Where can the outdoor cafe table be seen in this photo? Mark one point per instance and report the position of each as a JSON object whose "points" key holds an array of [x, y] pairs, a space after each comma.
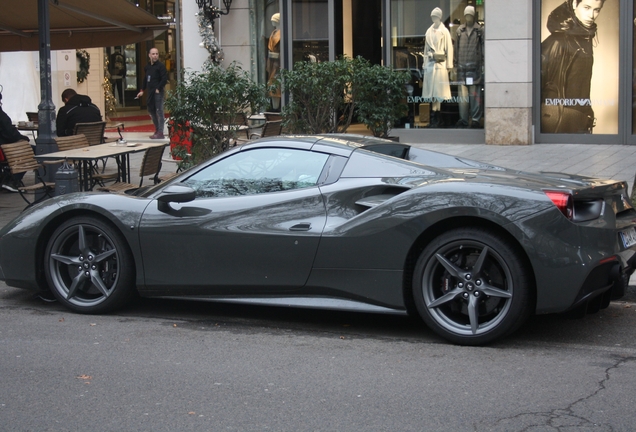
{"points": [[88, 156]]}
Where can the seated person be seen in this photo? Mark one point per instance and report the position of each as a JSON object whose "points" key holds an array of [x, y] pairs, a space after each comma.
{"points": [[9, 134], [77, 109]]}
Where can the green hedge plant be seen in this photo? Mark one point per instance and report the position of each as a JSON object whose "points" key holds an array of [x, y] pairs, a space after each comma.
{"points": [[325, 97], [320, 96], [380, 96], [203, 102]]}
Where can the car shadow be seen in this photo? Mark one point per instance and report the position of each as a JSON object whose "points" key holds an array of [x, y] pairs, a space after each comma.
{"points": [[611, 326]]}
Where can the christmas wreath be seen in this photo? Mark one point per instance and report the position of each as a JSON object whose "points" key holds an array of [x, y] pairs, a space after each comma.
{"points": [[84, 64]]}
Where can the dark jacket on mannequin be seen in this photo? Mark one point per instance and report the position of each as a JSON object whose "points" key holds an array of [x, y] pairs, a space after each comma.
{"points": [[469, 53], [78, 109]]}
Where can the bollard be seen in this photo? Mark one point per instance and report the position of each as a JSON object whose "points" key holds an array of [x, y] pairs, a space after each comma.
{"points": [[66, 179]]}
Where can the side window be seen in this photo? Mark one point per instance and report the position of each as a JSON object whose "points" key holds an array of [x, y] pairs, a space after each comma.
{"points": [[259, 171]]}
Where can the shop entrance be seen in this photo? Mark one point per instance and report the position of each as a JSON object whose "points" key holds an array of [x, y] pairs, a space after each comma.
{"points": [[361, 29]]}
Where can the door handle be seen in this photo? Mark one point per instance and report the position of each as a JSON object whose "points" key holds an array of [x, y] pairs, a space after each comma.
{"points": [[305, 226]]}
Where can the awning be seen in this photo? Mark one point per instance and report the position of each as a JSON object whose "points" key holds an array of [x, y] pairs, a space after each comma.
{"points": [[76, 24]]}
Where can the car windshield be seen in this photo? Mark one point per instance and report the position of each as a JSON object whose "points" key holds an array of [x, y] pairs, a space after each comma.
{"points": [[259, 171]]}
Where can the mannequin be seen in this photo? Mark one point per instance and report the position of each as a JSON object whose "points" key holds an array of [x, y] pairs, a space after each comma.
{"points": [[469, 61], [438, 60], [117, 68], [273, 60]]}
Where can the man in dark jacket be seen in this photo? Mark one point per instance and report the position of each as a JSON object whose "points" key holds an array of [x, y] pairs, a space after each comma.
{"points": [[567, 59], [77, 109], [8, 134], [155, 79]]}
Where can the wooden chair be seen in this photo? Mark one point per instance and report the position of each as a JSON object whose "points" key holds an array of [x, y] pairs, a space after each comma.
{"points": [[272, 116], [270, 128], [21, 159], [94, 131], [71, 142], [150, 166], [33, 117]]}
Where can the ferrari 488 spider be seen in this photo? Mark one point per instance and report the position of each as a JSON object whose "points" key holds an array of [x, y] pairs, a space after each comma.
{"points": [[470, 248]]}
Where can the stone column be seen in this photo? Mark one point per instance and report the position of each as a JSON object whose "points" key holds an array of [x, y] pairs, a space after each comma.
{"points": [[508, 98]]}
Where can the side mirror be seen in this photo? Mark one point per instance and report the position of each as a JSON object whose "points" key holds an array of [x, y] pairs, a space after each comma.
{"points": [[177, 193]]}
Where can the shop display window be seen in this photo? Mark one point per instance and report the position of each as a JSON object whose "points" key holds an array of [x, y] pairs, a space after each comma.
{"points": [[579, 88], [267, 55], [441, 44], [310, 30]]}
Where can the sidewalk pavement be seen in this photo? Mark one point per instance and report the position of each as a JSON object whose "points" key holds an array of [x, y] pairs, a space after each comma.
{"points": [[605, 161]]}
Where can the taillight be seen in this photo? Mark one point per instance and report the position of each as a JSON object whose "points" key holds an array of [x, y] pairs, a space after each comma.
{"points": [[563, 201]]}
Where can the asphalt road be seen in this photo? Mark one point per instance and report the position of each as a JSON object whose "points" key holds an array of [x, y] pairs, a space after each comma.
{"points": [[169, 365]]}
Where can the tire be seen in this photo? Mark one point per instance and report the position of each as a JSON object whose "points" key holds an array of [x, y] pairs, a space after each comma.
{"points": [[89, 267], [471, 287]]}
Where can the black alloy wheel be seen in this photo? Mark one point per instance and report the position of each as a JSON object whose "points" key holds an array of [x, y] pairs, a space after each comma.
{"points": [[471, 287], [88, 266]]}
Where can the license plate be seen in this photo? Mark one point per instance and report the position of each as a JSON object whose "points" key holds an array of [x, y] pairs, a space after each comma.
{"points": [[629, 237]]}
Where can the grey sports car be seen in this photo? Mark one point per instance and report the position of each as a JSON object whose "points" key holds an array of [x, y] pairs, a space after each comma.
{"points": [[470, 248]]}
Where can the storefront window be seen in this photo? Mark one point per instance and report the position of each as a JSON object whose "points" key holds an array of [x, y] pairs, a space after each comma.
{"points": [[310, 30], [579, 66], [441, 43], [268, 46]]}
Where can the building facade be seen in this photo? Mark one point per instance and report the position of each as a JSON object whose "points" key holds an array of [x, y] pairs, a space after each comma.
{"points": [[505, 99]]}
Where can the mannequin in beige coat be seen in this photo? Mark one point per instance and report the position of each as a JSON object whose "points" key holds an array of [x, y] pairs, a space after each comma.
{"points": [[438, 62]]}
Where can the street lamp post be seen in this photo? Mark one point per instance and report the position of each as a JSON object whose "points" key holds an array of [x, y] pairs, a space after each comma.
{"points": [[211, 11], [45, 142]]}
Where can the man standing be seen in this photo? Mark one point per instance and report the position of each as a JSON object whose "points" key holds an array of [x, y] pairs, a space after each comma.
{"points": [[469, 62], [77, 109], [567, 59], [155, 79]]}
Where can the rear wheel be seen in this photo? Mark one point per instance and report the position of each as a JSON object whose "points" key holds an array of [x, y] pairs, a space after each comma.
{"points": [[88, 266], [471, 287]]}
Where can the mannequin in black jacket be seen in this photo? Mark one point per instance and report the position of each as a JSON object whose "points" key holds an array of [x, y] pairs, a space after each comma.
{"points": [[77, 109]]}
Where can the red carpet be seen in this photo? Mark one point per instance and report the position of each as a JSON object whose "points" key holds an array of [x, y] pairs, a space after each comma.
{"points": [[139, 128], [134, 118]]}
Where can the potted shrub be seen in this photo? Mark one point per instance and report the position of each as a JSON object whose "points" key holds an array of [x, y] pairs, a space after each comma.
{"points": [[320, 96], [380, 96], [203, 104]]}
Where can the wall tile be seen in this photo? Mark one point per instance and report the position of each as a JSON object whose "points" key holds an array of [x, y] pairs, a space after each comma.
{"points": [[508, 61], [509, 19], [508, 126], [508, 95]]}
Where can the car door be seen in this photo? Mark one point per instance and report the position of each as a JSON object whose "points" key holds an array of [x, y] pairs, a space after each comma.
{"points": [[254, 226]]}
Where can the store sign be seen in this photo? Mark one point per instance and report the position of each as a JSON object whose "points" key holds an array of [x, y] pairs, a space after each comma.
{"points": [[66, 60], [579, 67]]}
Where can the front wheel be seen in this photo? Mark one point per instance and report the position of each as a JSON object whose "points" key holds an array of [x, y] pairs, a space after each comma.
{"points": [[88, 266], [470, 286]]}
